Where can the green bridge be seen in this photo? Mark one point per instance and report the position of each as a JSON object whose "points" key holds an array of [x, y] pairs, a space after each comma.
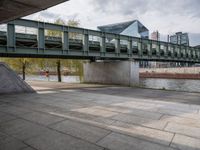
{"points": [[79, 43]]}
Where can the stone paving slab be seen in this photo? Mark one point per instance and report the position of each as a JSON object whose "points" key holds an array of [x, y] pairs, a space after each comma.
{"points": [[85, 118], [179, 113], [56, 141], [22, 129], [109, 118], [96, 112], [84, 131], [6, 117], [181, 120], [136, 112], [9, 143], [13, 110], [28, 148], [12, 145], [42, 118], [153, 135], [157, 124], [116, 141], [183, 129], [185, 143]]}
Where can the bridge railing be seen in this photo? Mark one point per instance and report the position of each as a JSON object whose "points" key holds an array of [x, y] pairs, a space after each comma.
{"points": [[105, 45]]}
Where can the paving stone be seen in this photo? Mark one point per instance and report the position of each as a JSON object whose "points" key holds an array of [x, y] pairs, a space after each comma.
{"points": [[179, 107], [81, 130], [135, 105], [179, 113], [181, 120], [129, 111], [114, 109], [1, 103], [28, 148], [56, 141], [38, 106], [96, 112], [14, 110], [183, 129], [9, 143], [6, 117], [94, 121], [146, 114], [4, 138], [42, 118], [153, 135], [22, 129], [116, 141], [157, 124], [185, 143], [136, 112], [12, 145]]}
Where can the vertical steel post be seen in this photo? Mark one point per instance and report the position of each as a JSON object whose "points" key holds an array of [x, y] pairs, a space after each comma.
{"points": [[187, 52], [196, 54], [117, 45], [103, 44], [130, 47], [86, 42], [65, 40], [179, 51], [140, 47], [158, 49], [11, 38], [165, 50], [173, 51], [167, 46], [41, 37], [150, 48]]}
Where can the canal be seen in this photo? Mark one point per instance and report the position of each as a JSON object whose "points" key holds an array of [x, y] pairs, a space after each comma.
{"points": [[168, 84]]}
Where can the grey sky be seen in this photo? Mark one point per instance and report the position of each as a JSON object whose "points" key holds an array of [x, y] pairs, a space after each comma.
{"points": [[167, 16]]}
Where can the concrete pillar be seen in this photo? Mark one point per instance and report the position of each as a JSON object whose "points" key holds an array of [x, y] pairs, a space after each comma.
{"points": [[112, 72]]}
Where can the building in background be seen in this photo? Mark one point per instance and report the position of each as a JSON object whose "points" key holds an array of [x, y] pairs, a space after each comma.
{"points": [[155, 36], [132, 28], [198, 46], [180, 38]]}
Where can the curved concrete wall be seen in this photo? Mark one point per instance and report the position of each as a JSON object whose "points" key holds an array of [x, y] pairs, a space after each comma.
{"points": [[10, 82]]}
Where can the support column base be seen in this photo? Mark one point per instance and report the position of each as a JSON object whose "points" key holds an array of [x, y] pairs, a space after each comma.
{"points": [[112, 72]]}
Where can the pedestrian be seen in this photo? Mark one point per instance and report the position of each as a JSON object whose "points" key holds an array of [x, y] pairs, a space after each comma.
{"points": [[47, 74]]}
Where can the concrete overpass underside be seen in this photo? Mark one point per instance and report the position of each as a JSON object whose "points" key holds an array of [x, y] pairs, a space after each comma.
{"points": [[12, 9]]}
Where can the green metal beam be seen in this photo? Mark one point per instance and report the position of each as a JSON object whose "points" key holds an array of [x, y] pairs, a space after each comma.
{"points": [[106, 46]]}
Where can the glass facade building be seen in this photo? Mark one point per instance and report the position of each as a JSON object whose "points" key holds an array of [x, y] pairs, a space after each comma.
{"points": [[131, 28], [180, 38]]}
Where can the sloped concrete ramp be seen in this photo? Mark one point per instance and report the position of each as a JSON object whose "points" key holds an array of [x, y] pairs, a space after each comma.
{"points": [[10, 82]]}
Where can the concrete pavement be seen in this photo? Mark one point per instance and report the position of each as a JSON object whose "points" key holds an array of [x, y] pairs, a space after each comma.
{"points": [[103, 118]]}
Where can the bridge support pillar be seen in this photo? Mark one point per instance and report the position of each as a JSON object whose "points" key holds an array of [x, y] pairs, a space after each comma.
{"points": [[112, 72]]}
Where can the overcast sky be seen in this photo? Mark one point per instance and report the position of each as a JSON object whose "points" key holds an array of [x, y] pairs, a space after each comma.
{"points": [[166, 16]]}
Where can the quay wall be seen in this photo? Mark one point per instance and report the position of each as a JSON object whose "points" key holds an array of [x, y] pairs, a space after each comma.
{"points": [[171, 73]]}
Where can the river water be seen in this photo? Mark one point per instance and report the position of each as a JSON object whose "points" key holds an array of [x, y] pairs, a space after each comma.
{"points": [[169, 84]]}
